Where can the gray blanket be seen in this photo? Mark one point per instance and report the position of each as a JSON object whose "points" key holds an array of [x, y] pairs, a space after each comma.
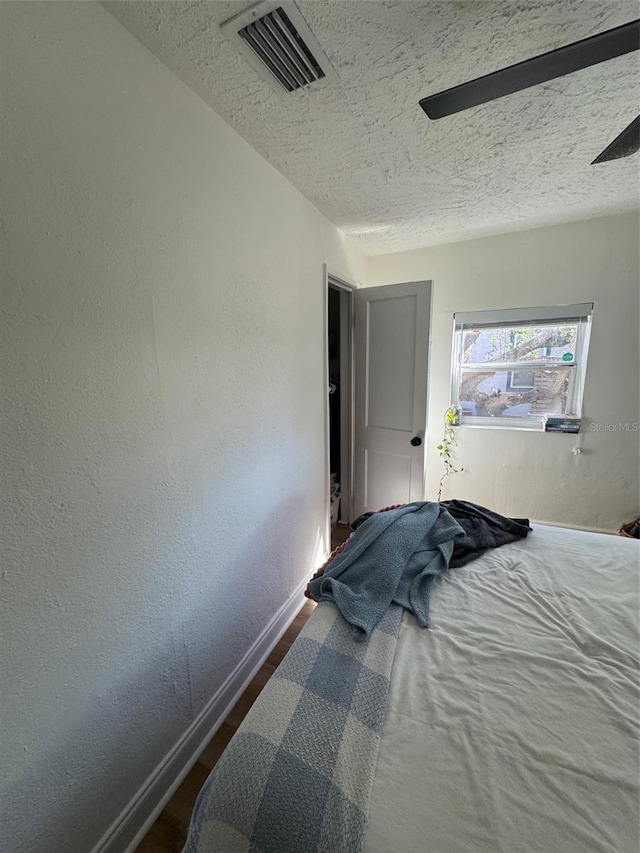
{"points": [[393, 557], [483, 529], [297, 775]]}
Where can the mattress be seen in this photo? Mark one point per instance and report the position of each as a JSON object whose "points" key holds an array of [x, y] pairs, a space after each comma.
{"points": [[512, 723]]}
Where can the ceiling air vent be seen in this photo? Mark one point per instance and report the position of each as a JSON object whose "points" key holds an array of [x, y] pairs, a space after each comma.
{"points": [[275, 39]]}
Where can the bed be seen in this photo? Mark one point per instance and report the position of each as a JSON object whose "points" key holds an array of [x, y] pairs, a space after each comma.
{"points": [[511, 724]]}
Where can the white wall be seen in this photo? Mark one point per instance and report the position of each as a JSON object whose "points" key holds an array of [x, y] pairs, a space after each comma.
{"points": [[534, 474], [163, 422]]}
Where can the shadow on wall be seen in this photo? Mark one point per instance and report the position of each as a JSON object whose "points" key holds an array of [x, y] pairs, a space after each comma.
{"points": [[113, 743]]}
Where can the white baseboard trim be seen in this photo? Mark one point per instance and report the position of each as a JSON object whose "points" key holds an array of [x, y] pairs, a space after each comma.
{"points": [[573, 526], [133, 823]]}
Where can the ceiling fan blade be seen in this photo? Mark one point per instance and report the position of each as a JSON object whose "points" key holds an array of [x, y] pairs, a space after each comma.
{"points": [[627, 143], [531, 72]]}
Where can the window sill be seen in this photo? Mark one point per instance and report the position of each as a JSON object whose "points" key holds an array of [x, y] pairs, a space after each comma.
{"points": [[517, 424]]}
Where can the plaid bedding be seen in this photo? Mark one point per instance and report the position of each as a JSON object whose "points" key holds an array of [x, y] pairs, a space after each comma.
{"points": [[297, 775]]}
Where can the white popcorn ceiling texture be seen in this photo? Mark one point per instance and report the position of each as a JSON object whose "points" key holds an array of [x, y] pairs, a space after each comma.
{"points": [[366, 155]]}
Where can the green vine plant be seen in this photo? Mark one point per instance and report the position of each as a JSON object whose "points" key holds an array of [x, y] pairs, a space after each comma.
{"points": [[445, 448]]}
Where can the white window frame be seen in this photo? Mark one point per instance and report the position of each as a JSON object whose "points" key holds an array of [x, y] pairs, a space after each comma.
{"points": [[580, 313]]}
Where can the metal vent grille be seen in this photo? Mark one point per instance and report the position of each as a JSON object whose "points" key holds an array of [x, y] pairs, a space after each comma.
{"points": [[279, 45], [276, 39]]}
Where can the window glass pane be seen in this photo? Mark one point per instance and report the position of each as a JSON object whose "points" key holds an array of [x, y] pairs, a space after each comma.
{"points": [[501, 345], [514, 393], [521, 379]]}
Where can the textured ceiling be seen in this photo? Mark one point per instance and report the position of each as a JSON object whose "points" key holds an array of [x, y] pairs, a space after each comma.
{"points": [[362, 150]]}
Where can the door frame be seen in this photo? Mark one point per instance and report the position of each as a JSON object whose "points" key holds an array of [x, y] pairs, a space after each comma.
{"points": [[347, 412]]}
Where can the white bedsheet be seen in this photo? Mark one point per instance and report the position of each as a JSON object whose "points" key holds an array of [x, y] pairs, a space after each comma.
{"points": [[513, 722]]}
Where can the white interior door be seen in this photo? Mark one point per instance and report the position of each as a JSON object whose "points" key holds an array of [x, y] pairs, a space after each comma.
{"points": [[391, 362]]}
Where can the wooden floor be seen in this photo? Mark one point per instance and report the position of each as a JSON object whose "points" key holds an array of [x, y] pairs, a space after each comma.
{"points": [[169, 833]]}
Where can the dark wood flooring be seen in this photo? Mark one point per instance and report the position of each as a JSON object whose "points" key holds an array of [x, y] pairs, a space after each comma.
{"points": [[169, 833]]}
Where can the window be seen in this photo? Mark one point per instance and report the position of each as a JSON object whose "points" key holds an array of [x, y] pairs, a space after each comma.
{"points": [[518, 367], [521, 380]]}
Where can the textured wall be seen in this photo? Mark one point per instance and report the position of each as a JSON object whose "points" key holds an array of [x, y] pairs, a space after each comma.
{"points": [[163, 422], [536, 474]]}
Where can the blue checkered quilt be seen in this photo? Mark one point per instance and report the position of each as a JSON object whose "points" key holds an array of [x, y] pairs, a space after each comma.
{"points": [[297, 775]]}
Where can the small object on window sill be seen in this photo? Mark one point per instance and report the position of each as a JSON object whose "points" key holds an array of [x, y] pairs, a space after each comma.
{"points": [[454, 415], [569, 425]]}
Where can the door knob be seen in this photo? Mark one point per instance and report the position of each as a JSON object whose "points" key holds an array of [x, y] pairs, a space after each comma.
{"points": [[416, 441]]}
